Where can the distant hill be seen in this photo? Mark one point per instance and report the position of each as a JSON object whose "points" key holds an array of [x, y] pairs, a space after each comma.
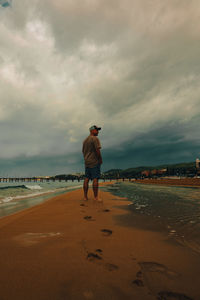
{"points": [[172, 169], [188, 169]]}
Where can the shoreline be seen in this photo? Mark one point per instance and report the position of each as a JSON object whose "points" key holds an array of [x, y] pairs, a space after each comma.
{"points": [[45, 195], [65, 248], [194, 183]]}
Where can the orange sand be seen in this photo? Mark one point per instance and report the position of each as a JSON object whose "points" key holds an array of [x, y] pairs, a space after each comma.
{"points": [[51, 251]]}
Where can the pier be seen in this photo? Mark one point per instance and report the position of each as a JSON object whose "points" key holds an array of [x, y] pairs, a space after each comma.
{"points": [[38, 179], [33, 179]]}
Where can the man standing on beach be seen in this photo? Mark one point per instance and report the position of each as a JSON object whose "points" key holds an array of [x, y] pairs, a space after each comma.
{"points": [[93, 160]]}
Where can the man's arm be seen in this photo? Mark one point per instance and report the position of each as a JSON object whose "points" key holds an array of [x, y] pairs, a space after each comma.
{"points": [[99, 155], [97, 146]]}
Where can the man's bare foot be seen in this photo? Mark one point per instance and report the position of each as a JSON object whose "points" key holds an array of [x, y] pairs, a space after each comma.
{"points": [[85, 199]]}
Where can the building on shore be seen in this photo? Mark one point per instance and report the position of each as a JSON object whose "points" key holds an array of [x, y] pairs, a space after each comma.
{"points": [[154, 172], [197, 163]]}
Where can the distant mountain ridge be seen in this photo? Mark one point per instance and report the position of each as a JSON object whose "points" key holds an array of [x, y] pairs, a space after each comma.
{"points": [[173, 168], [188, 169]]}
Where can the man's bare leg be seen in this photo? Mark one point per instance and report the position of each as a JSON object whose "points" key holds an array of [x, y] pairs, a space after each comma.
{"points": [[95, 189], [85, 188]]}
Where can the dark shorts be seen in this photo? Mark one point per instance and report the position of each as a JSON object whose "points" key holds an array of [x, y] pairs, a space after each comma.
{"points": [[93, 173]]}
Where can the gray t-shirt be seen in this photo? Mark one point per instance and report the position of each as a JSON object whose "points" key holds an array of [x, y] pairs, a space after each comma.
{"points": [[90, 144]]}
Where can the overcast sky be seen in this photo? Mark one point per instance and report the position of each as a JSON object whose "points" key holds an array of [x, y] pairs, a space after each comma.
{"points": [[131, 67]]}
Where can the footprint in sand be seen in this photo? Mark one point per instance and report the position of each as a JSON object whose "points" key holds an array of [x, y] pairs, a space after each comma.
{"points": [[111, 267], [93, 256], [106, 210], [138, 282], [89, 218], [154, 267], [139, 274], [106, 232], [97, 258], [99, 250], [159, 279], [167, 295]]}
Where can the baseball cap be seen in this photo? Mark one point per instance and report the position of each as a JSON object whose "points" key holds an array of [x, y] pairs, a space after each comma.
{"points": [[94, 127]]}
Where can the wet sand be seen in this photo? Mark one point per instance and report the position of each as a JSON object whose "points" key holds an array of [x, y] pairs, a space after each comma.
{"points": [[189, 182], [69, 249]]}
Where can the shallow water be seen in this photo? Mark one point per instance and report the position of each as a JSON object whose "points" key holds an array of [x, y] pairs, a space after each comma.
{"points": [[15, 197], [176, 210]]}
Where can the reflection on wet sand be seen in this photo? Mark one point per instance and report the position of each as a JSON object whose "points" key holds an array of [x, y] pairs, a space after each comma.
{"points": [[175, 210]]}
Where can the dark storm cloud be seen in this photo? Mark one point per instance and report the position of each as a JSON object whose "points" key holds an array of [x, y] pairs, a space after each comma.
{"points": [[128, 66], [157, 147], [40, 165]]}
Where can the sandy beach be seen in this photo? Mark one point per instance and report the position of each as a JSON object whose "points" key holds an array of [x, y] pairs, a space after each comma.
{"points": [[69, 249]]}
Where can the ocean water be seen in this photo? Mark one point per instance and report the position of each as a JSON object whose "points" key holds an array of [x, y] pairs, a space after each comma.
{"points": [[174, 210], [18, 196]]}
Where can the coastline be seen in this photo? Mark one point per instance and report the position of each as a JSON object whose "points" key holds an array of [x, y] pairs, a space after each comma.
{"points": [[65, 248], [18, 203], [186, 182]]}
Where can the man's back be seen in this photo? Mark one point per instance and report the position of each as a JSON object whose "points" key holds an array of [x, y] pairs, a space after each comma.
{"points": [[90, 146]]}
